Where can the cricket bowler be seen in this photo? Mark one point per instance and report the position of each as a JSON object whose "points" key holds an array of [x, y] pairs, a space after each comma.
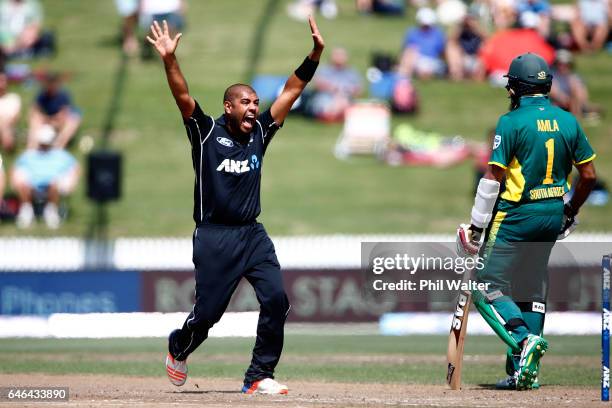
{"points": [[228, 242], [534, 148]]}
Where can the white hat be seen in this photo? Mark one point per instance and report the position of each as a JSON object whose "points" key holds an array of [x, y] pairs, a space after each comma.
{"points": [[451, 12], [426, 16], [45, 135], [529, 19]]}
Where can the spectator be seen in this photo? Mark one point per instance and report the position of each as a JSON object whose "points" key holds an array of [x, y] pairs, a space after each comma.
{"points": [[53, 106], [591, 25], [10, 108], [462, 50], [423, 47], [46, 172], [21, 32], [128, 10], [539, 7], [568, 90], [300, 9], [503, 13], [2, 182], [336, 85], [382, 7], [172, 11]]}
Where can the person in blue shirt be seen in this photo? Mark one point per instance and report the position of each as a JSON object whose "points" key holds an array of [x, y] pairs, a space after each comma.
{"points": [[53, 106], [541, 8], [423, 47], [45, 170]]}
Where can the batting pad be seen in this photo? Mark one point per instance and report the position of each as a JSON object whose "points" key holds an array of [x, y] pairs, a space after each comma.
{"points": [[494, 320]]}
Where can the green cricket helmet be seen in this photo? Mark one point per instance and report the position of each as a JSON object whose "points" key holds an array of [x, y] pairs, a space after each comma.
{"points": [[529, 74]]}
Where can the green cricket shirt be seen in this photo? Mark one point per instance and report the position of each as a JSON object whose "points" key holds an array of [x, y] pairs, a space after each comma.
{"points": [[537, 144]]}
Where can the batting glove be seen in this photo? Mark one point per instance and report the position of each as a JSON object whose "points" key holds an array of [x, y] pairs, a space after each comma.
{"points": [[468, 240], [570, 222]]}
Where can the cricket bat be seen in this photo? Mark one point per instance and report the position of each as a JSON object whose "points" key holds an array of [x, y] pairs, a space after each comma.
{"points": [[456, 338]]}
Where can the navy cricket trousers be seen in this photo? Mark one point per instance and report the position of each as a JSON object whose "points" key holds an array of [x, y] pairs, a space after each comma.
{"points": [[222, 256]]}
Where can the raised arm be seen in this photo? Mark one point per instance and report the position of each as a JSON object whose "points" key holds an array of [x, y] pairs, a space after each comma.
{"points": [[165, 46], [298, 80]]}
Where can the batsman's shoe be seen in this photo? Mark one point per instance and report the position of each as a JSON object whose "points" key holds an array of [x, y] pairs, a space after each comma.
{"points": [[509, 383], [534, 349], [176, 370], [265, 386]]}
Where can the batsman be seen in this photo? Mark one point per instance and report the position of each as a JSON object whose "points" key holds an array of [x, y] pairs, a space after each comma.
{"points": [[534, 148]]}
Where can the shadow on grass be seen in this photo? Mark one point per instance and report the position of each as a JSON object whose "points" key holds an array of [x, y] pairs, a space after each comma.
{"points": [[487, 387]]}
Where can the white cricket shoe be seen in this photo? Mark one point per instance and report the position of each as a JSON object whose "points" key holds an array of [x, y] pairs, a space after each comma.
{"points": [[176, 370], [51, 216], [25, 217], [265, 386]]}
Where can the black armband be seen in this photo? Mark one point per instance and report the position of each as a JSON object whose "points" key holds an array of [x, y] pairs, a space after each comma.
{"points": [[306, 71]]}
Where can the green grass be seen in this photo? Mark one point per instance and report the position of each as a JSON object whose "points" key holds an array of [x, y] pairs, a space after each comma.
{"points": [[304, 357], [305, 189]]}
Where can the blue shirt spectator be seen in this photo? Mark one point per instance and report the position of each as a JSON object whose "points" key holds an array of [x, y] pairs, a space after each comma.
{"points": [[535, 6], [423, 47], [47, 172], [53, 106], [428, 40], [42, 167], [52, 103]]}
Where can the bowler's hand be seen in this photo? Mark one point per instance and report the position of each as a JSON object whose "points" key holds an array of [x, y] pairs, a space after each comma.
{"points": [[317, 39], [161, 40]]}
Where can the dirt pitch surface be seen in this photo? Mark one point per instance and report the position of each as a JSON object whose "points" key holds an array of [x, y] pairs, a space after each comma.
{"points": [[113, 391]]}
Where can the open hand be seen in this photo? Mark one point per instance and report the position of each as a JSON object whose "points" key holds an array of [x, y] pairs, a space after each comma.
{"points": [[161, 40], [317, 38]]}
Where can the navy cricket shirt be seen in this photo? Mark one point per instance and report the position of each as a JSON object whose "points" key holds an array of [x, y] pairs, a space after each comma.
{"points": [[227, 171]]}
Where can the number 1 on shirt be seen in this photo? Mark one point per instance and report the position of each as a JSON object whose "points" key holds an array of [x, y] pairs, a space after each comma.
{"points": [[550, 153]]}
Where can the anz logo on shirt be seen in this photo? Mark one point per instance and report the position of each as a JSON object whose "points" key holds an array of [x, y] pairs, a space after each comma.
{"points": [[239, 166]]}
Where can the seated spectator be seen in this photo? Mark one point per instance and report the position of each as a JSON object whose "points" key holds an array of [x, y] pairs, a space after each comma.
{"points": [[541, 8], [21, 32], [381, 7], [335, 87], [462, 50], [172, 11], [45, 171], [300, 9], [591, 25], [128, 10], [2, 182], [53, 106], [568, 90], [503, 14], [10, 107], [423, 47]]}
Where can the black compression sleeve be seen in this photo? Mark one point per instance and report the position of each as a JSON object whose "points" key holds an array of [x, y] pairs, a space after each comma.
{"points": [[306, 71]]}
